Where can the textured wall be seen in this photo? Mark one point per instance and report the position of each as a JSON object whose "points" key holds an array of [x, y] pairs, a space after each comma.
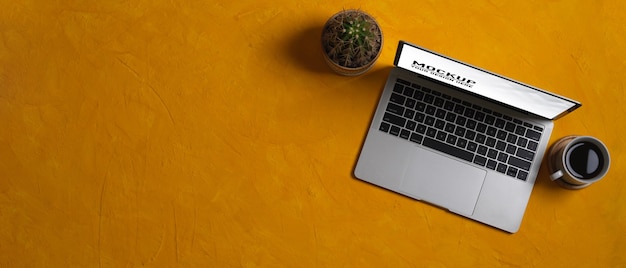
{"points": [[210, 133]]}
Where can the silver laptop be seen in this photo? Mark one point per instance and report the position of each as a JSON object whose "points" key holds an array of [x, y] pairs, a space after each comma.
{"points": [[459, 137]]}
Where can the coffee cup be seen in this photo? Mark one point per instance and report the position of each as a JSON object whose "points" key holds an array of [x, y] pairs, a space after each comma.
{"points": [[576, 162]]}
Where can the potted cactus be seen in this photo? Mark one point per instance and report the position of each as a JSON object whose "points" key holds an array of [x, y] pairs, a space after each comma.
{"points": [[351, 41]]}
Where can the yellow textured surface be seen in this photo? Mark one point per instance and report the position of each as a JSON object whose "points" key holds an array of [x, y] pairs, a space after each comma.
{"points": [[211, 133]]}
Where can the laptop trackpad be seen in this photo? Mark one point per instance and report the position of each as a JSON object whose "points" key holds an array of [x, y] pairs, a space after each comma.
{"points": [[443, 181]]}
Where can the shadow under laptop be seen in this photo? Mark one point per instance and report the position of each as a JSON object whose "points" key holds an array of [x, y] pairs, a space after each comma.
{"points": [[374, 79]]}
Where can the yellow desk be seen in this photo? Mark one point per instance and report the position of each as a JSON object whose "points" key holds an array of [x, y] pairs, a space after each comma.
{"points": [[212, 134]]}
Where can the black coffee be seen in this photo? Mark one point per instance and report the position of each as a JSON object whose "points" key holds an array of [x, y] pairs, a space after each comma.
{"points": [[584, 160]]}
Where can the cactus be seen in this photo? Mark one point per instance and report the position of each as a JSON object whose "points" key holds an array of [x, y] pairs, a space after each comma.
{"points": [[352, 38]]}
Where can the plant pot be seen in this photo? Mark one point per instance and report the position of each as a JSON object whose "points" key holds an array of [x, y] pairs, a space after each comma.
{"points": [[335, 43]]}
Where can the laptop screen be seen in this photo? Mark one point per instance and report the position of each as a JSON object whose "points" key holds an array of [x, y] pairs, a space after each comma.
{"points": [[482, 82]]}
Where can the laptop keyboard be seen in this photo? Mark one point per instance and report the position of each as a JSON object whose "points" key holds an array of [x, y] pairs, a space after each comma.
{"points": [[461, 129]]}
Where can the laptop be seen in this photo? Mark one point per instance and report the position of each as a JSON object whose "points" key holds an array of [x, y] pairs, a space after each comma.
{"points": [[459, 137]]}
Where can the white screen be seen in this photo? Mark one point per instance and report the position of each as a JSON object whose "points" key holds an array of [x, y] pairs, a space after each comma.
{"points": [[481, 82]]}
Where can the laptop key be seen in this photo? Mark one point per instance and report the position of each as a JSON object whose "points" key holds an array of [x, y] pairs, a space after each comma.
{"points": [[491, 142], [460, 120], [449, 128], [482, 150], [408, 92], [398, 88], [511, 138], [501, 135], [399, 99], [525, 154], [503, 157], [459, 131], [405, 134], [411, 125], [489, 119], [534, 135], [511, 171], [420, 106], [440, 113], [510, 127], [482, 128], [471, 124], [394, 119], [450, 117], [480, 160], [461, 142], [499, 123], [395, 130], [431, 132], [520, 163], [441, 135], [451, 139], [440, 124], [522, 175], [408, 113], [491, 164], [448, 149], [521, 141], [500, 145], [417, 138], [384, 127], [511, 149], [438, 102], [459, 108], [394, 108], [429, 98], [429, 121], [532, 145], [410, 103], [431, 109], [419, 117], [421, 129], [449, 105], [501, 168], [480, 138], [471, 146], [419, 95], [470, 135], [479, 116], [469, 112], [520, 130]]}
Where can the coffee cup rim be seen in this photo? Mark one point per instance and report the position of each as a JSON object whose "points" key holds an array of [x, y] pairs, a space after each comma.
{"points": [[605, 154]]}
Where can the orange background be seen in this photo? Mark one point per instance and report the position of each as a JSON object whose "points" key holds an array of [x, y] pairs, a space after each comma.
{"points": [[211, 133]]}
